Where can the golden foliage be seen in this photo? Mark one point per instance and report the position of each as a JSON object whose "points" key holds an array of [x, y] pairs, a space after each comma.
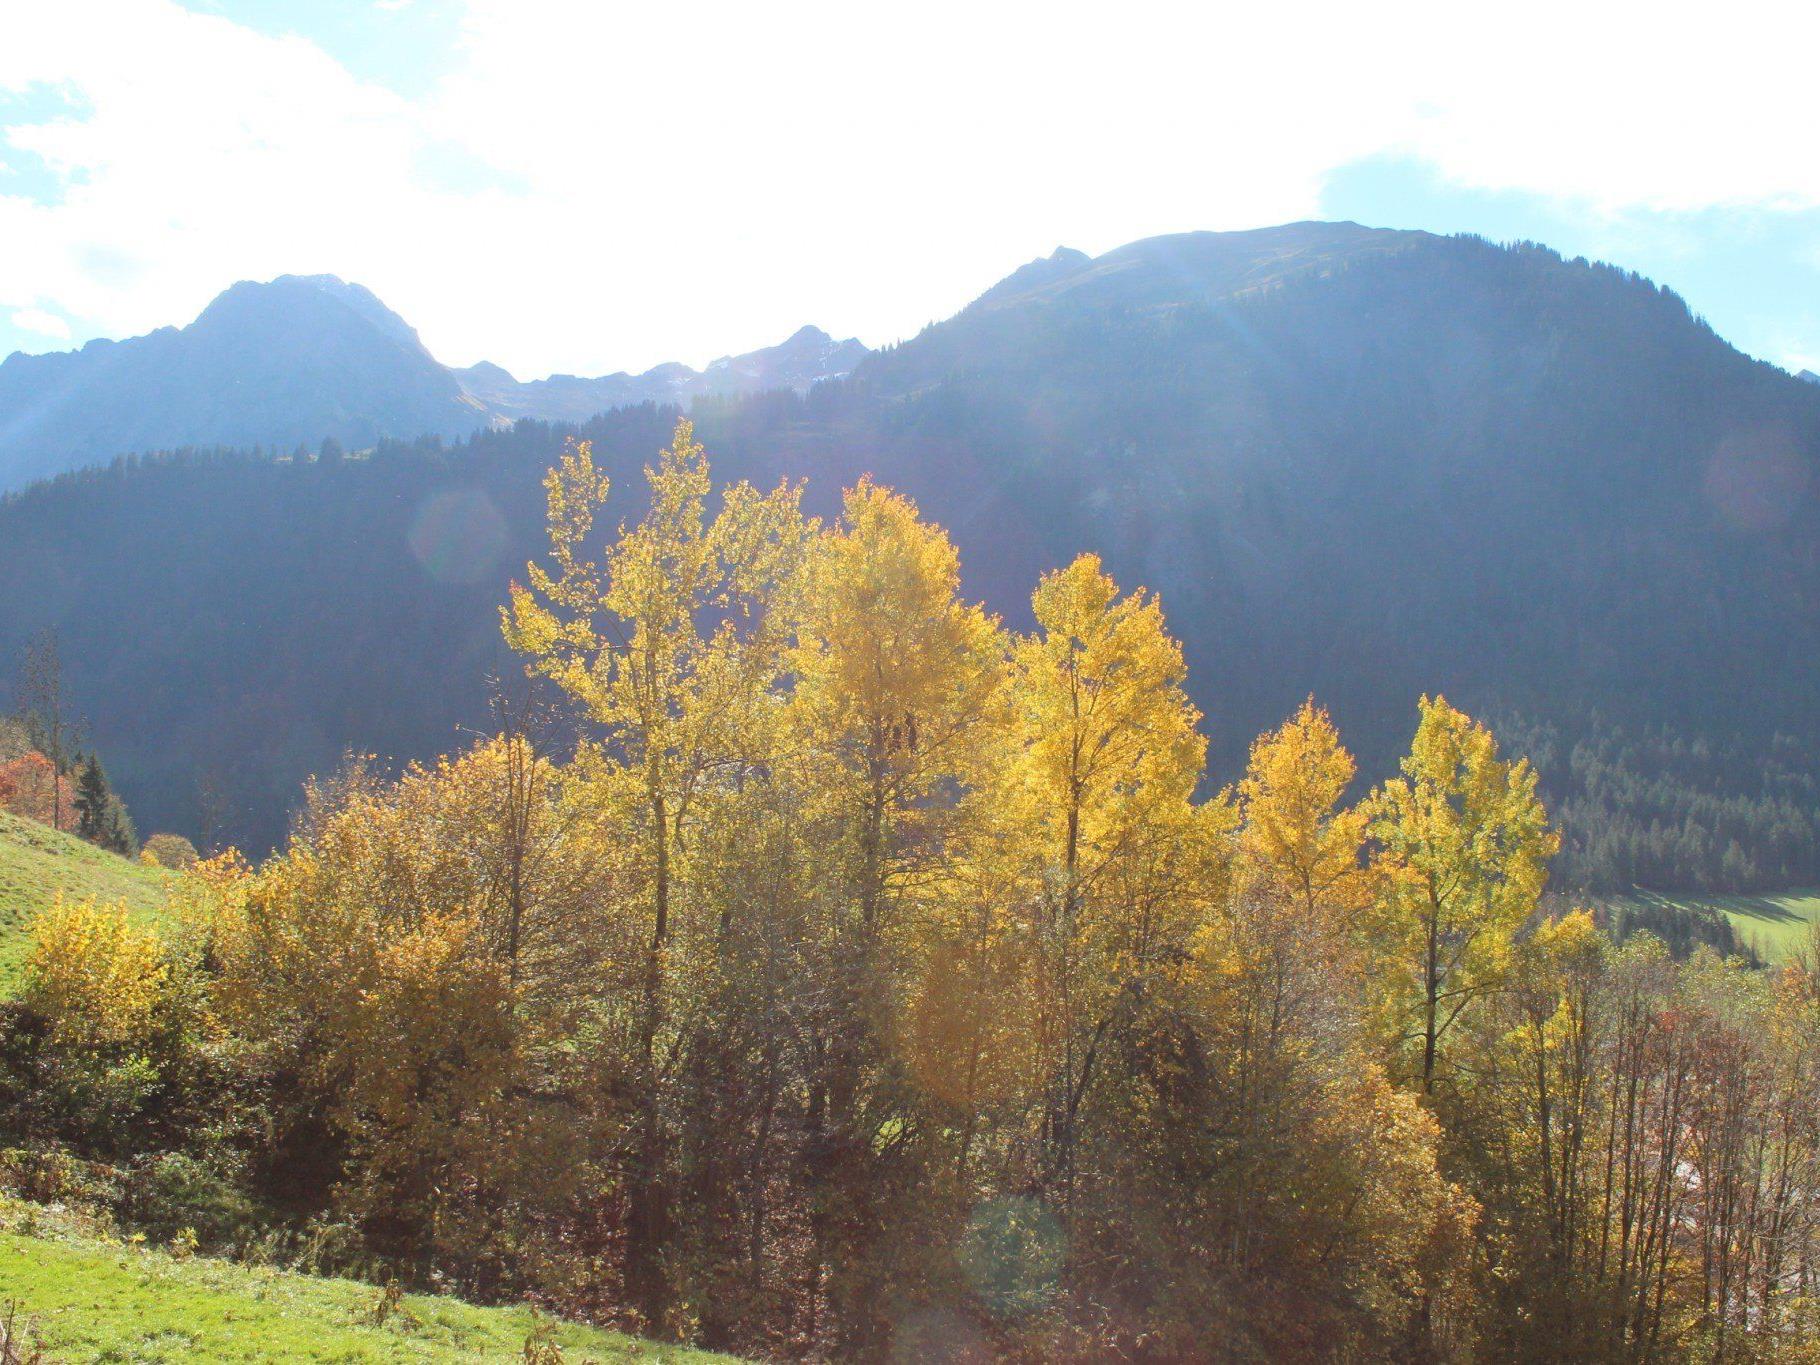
{"points": [[94, 974], [169, 850], [1106, 733], [1461, 845], [897, 681], [1297, 840]]}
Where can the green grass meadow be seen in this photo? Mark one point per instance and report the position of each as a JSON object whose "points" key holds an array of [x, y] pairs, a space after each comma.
{"points": [[1775, 925], [89, 1300]]}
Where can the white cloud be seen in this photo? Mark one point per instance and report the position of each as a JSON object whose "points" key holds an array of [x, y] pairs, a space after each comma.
{"points": [[41, 322], [726, 172], [1626, 105], [204, 153], [677, 180]]}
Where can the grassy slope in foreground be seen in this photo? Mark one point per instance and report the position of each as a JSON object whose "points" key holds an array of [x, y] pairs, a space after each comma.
{"points": [[1775, 925], [36, 862], [93, 1301]]}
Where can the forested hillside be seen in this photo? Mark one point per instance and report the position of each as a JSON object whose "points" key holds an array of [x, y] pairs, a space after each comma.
{"points": [[1356, 464]]}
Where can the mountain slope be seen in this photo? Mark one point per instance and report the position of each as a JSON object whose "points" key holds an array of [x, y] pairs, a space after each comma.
{"points": [[1428, 456], [1192, 267], [1355, 463], [289, 362]]}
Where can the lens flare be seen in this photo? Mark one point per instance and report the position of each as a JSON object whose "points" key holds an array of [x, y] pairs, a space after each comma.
{"points": [[1012, 1255], [458, 536], [938, 1337], [1756, 479]]}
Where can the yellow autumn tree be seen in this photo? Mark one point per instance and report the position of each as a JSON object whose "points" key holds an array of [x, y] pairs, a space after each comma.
{"points": [[895, 716], [1281, 948], [1107, 761], [668, 641], [898, 686], [967, 1022], [1461, 845], [1107, 731], [1556, 975], [1296, 839], [1308, 1144]]}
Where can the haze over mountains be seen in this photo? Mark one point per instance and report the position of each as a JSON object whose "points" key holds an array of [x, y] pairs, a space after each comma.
{"points": [[309, 357], [1359, 463]]}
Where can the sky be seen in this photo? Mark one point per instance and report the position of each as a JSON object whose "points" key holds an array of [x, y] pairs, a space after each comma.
{"points": [[588, 187]]}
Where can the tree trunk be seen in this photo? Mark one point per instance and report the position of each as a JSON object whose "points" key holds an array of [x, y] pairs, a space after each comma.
{"points": [[646, 1231]]}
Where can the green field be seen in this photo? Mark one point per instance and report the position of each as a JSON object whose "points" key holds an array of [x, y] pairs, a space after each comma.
{"points": [[1776, 925], [36, 862], [88, 1299]]}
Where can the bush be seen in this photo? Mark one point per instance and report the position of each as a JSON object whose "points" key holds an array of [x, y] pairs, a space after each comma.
{"points": [[169, 850], [47, 1174], [174, 1191], [87, 1047], [95, 976]]}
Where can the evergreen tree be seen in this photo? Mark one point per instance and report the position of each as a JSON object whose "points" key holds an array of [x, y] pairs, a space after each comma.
{"points": [[92, 800], [101, 816]]}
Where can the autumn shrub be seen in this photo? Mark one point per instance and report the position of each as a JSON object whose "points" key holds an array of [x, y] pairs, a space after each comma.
{"points": [[169, 850], [390, 985], [106, 1045], [48, 1174], [94, 976]]}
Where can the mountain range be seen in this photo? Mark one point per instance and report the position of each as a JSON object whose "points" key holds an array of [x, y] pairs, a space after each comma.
{"points": [[1358, 463], [809, 356], [304, 358]]}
